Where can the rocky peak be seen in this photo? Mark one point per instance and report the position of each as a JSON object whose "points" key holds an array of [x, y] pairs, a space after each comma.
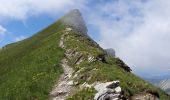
{"points": [[75, 20], [110, 52]]}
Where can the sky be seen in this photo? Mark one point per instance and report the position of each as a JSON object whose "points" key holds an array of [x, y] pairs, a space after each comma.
{"points": [[138, 30]]}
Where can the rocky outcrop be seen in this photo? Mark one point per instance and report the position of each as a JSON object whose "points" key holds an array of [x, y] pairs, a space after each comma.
{"points": [[78, 57], [120, 63], [102, 58], [112, 91], [64, 86], [74, 56], [144, 96], [108, 91], [74, 20], [110, 52]]}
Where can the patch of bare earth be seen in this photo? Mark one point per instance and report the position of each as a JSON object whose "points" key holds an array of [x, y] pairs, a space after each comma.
{"points": [[64, 86]]}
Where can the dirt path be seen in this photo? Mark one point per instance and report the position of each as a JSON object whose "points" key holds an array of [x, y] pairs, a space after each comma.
{"points": [[64, 86]]}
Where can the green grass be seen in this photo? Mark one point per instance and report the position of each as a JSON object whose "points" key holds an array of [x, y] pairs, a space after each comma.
{"points": [[82, 44], [110, 71], [29, 68], [84, 94]]}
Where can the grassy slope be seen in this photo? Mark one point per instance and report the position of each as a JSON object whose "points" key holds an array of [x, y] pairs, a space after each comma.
{"points": [[29, 68], [109, 71]]}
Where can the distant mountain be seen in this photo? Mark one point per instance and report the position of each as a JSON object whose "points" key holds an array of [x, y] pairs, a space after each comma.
{"points": [[111, 52], [154, 80], [161, 81], [62, 62], [165, 85]]}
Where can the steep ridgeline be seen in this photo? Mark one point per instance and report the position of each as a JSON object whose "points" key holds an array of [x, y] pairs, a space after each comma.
{"points": [[165, 85], [75, 20], [111, 52], [62, 62]]}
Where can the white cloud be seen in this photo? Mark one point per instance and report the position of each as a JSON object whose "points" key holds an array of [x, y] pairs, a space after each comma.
{"points": [[137, 29], [19, 38], [140, 37], [21, 9], [2, 30]]}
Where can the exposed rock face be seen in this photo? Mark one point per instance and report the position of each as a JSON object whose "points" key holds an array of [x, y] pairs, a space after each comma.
{"points": [[144, 96], [123, 65], [74, 56], [67, 83], [75, 20], [64, 86], [165, 85], [91, 58], [110, 52], [108, 91]]}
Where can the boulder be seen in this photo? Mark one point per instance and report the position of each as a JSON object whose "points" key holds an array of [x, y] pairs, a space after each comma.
{"points": [[108, 91]]}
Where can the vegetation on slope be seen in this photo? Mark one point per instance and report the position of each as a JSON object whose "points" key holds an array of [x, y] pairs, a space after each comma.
{"points": [[104, 71], [29, 68]]}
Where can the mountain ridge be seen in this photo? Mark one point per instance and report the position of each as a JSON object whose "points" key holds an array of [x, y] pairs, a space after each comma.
{"points": [[30, 68], [75, 20]]}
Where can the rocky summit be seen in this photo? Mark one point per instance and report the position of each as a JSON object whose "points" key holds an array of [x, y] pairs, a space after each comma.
{"points": [[61, 62], [75, 20], [111, 52]]}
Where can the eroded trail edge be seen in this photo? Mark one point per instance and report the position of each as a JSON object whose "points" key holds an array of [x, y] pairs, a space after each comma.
{"points": [[64, 87]]}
